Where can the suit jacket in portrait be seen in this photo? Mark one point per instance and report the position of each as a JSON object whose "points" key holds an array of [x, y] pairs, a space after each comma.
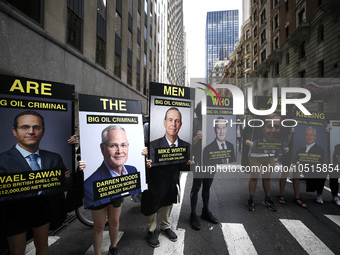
{"points": [[163, 143], [336, 154], [214, 147], [102, 173], [316, 149], [314, 180], [12, 162]]}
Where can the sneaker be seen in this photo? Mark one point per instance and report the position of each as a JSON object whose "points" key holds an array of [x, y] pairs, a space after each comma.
{"points": [[319, 199], [113, 251], [270, 205], [207, 215], [336, 201], [152, 239], [194, 223], [251, 205], [170, 234]]}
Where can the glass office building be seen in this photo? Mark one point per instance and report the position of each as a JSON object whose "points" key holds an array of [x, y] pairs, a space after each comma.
{"points": [[221, 34]]}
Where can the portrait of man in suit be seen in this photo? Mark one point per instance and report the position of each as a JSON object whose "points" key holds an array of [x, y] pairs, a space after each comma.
{"points": [[115, 151], [211, 155], [172, 123], [25, 156], [311, 148]]}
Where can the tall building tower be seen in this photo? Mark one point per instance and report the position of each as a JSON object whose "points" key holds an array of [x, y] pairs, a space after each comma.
{"points": [[175, 43], [221, 35], [246, 10]]}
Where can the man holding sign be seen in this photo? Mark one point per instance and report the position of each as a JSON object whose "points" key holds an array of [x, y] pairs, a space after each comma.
{"points": [[33, 211], [163, 179]]}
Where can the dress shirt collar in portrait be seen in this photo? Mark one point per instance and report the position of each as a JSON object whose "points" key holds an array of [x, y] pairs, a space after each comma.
{"points": [[219, 144], [170, 143], [308, 147], [114, 173], [26, 153]]}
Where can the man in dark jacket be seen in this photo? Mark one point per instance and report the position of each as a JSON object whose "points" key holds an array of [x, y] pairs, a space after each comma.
{"points": [[218, 151], [163, 180]]}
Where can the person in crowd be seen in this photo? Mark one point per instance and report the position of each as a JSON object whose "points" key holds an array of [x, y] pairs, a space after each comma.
{"points": [[312, 154], [334, 176], [33, 210], [286, 162], [264, 157], [115, 150], [210, 159], [163, 181]]}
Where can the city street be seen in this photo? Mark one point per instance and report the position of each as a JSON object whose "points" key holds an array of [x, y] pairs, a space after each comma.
{"points": [[290, 230]]}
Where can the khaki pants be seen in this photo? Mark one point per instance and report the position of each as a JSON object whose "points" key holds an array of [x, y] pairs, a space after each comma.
{"points": [[151, 220]]}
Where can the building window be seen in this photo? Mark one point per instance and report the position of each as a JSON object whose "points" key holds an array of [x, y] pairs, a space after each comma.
{"points": [[247, 63], [117, 69], [263, 36], [247, 34], [276, 22], [146, 7], [32, 8], [118, 25], [75, 14], [287, 5], [255, 32], [101, 33], [100, 51], [138, 82], [277, 68], [248, 48], [320, 3], [320, 33], [255, 49], [144, 82], [287, 58], [129, 75], [263, 16], [287, 32], [276, 2], [302, 50], [276, 43], [302, 74], [321, 68], [118, 43], [301, 16], [255, 15], [263, 56]]}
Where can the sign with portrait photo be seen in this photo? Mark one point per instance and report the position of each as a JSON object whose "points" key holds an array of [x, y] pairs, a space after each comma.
{"points": [[269, 135], [220, 130], [310, 145], [111, 143], [37, 120], [335, 142], [171, 118]]}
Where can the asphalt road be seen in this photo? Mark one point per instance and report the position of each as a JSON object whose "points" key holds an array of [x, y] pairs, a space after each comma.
{"points": [[290, 230]]}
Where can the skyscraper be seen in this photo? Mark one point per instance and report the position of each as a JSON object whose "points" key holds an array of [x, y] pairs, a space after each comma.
{"points": [[221, 34]]}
